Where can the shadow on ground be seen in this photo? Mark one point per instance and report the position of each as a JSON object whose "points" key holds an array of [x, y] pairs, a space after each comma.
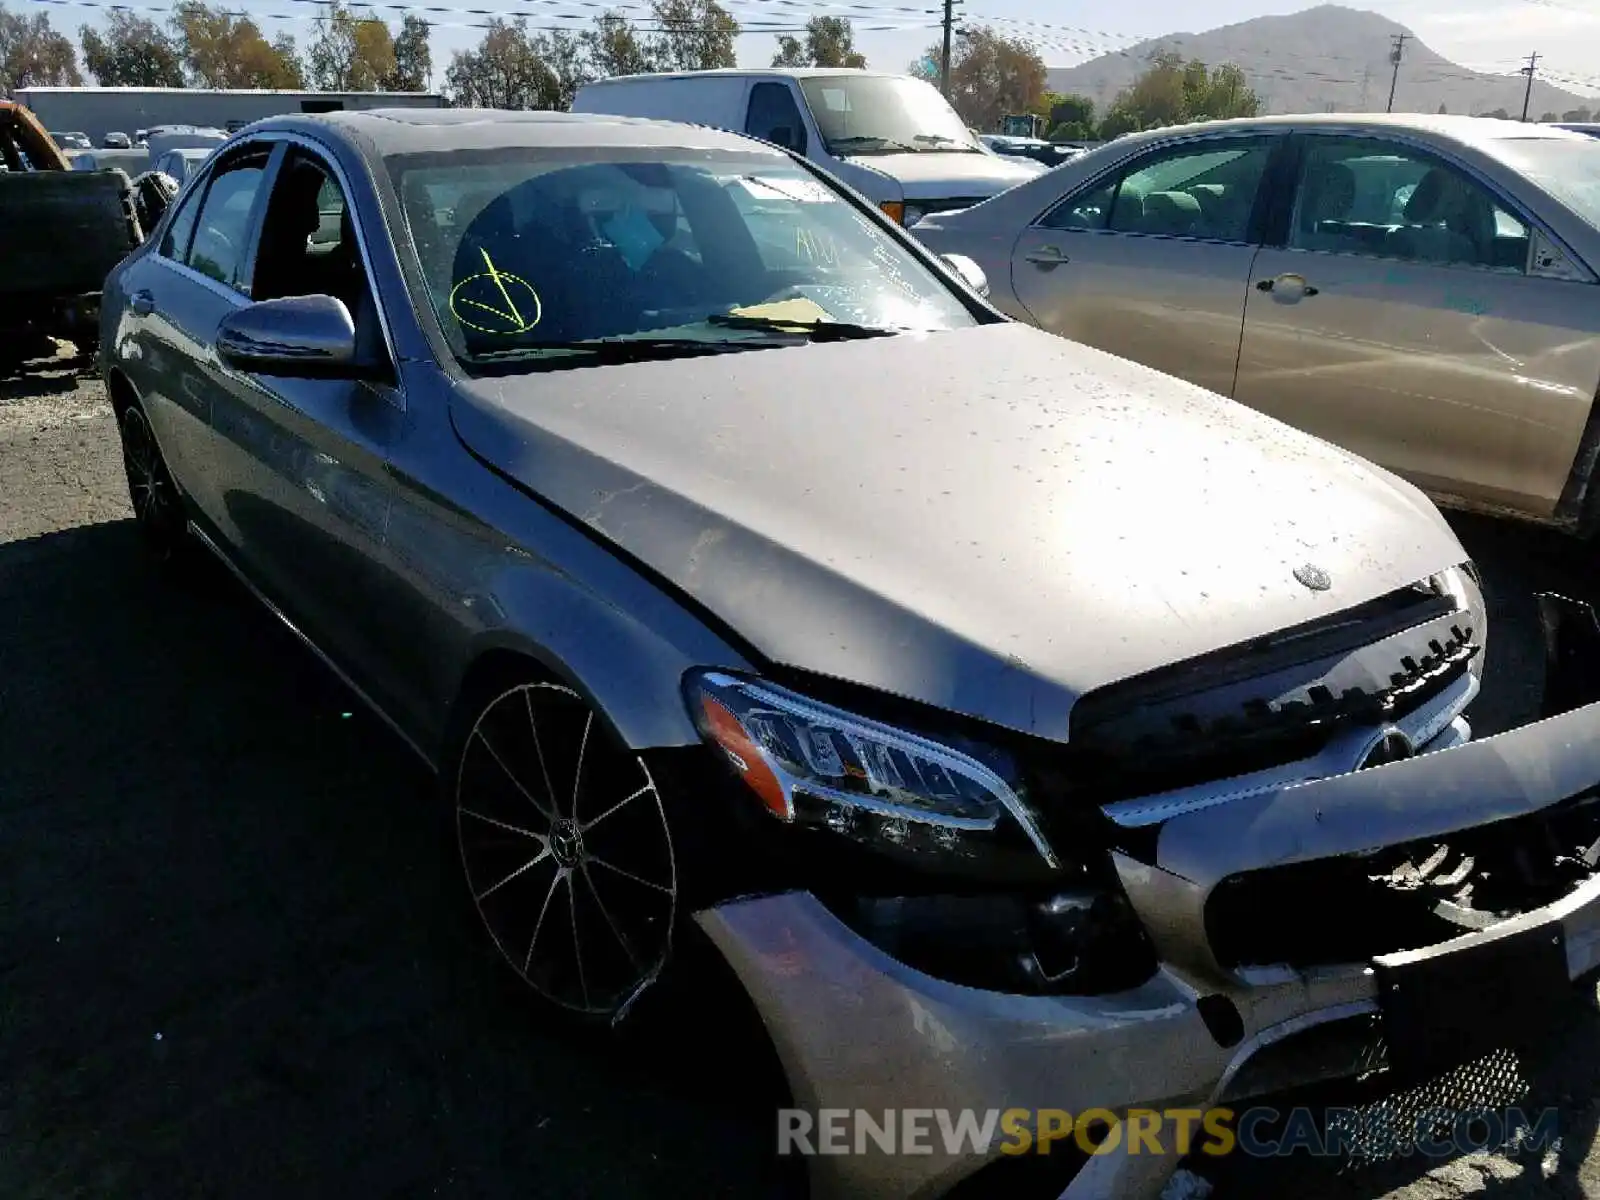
{"points": [[235, 956]]}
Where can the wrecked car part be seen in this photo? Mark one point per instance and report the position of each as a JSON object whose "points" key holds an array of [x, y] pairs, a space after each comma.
{"points": [[1571, 632]]}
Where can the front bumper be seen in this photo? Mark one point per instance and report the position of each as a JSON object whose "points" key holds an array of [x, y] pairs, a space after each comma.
{"points": [[858, 1030]]}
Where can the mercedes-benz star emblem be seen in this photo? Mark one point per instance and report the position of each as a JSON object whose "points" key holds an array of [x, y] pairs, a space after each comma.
{"points": [[1314, 577], [1391, 746]]}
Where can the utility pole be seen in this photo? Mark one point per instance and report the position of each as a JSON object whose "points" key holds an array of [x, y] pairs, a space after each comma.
{"points": [[944, 59], [1527, 92], [1395, 55]]}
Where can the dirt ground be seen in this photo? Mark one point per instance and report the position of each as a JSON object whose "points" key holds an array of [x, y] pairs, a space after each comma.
{"points": [[235, 960]]}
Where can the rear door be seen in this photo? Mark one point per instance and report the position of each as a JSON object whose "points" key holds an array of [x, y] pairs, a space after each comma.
{"points": [[178, 295], [1401, 315], [1151, 261]]}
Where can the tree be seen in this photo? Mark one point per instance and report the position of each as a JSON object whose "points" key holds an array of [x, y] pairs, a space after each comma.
{"points": [[613, 47], [693, 35], [133, 52], [1442, 110], [354, 51], [516, 70], [221, 50], [1173, 91], [1549, 116], [1578, 115], [829, 42], [1071, 118], [33, 54], [1501, 113], [413, 61], [990, 76]]}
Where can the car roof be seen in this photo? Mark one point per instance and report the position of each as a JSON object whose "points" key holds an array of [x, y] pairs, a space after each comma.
{"points": [[1473, 131], [421, 130]]}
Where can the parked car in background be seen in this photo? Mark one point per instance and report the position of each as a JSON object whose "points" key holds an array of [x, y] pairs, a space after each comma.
{"points": [[72, 141], [1591, 128], [131, 161], [182, 163], [116, 141], [893, 138], [1050, 154], [997, 707], [1421, 290]]}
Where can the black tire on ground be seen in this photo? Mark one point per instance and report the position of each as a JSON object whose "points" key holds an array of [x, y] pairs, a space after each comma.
{"points": [[157, 506], [566, 849]]}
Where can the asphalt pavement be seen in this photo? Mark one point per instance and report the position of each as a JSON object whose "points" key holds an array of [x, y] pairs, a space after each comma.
{"points": [[236, 960]]}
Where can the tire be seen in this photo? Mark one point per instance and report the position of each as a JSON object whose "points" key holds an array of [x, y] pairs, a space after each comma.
{"points": [[157, 505], [566, 850]]}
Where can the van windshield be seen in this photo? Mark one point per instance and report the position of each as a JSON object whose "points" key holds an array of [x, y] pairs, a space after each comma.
{"points": [[884, 114]]}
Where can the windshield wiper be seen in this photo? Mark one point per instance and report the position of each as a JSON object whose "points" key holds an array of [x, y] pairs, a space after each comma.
{"points": [[867, 142], [940, 142], [816, 331], [616, 350]]}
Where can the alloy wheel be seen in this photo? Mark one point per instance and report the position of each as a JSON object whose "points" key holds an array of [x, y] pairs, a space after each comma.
{"points": [[155, 499], [566, 849]]}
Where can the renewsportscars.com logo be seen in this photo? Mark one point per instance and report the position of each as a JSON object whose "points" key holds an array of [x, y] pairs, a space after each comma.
{"points": [[1262, 1132]]}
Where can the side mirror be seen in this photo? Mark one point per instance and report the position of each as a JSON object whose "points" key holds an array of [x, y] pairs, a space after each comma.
{"points": [[304, 336], [969, 272], [782, 135]]}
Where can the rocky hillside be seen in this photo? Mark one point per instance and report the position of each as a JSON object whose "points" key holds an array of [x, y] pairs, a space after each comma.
{"points": [[1325, 59]]}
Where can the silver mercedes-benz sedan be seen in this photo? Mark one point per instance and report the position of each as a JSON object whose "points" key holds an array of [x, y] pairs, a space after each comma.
{"points": [[996, 707], [1422, 290]]}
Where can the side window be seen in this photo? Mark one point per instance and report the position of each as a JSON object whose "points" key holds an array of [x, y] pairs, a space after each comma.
{"points": [[775, 117], [1201, 191], [1367, 196], [308, 246], [222, 234], [175, 242], [1086, 210]]}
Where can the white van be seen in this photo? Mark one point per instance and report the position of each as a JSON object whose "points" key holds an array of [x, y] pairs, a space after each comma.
{"points": [[893, 138]]}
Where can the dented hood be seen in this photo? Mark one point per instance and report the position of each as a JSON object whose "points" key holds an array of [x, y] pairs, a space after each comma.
{"points": [[992, 520]]}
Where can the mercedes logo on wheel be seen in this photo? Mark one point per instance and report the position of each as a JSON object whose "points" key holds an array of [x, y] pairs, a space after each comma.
{"points": [[1314, 577]]}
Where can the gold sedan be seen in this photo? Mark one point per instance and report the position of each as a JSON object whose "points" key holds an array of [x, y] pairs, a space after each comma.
{"points": [[1420, 290]]}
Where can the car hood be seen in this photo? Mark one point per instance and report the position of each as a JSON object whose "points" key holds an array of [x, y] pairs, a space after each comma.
{"points": [[930, 175], [991, 520]]}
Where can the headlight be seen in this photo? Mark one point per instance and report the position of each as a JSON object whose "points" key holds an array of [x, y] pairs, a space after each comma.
{"points": [[814, 765]]}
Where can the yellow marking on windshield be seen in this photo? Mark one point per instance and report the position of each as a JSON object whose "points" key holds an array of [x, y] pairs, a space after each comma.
{"points": [[499, 283], [495, 311]]}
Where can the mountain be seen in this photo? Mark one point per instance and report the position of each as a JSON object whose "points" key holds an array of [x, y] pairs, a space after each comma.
{"points": [[1325, 59]]}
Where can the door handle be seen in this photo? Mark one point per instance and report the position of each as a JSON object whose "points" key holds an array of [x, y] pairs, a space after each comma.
{"points": [[1291, 283], [142, 302], [1046, 256]]}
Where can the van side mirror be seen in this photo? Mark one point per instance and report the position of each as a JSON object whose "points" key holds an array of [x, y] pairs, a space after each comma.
{"points": [[968, 271]]}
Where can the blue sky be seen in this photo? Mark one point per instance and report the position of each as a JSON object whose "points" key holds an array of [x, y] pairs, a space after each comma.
{"points": [[1489, 35]]}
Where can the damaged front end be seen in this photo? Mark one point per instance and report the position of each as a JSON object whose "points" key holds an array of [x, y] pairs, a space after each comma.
{"points": [[1304, 859]]}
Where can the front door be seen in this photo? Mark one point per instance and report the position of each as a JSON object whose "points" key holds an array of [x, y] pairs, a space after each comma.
{"points": [[1151, 262], [1399, 319], [307, 493]]}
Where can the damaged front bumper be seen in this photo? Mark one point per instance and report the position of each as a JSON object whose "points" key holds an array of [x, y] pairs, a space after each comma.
{"points": [[1215, 1023]]}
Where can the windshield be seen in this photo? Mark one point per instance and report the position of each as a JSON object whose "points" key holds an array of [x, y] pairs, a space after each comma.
{"points": [[884, 114], [537, 258], [1569, 169]]}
